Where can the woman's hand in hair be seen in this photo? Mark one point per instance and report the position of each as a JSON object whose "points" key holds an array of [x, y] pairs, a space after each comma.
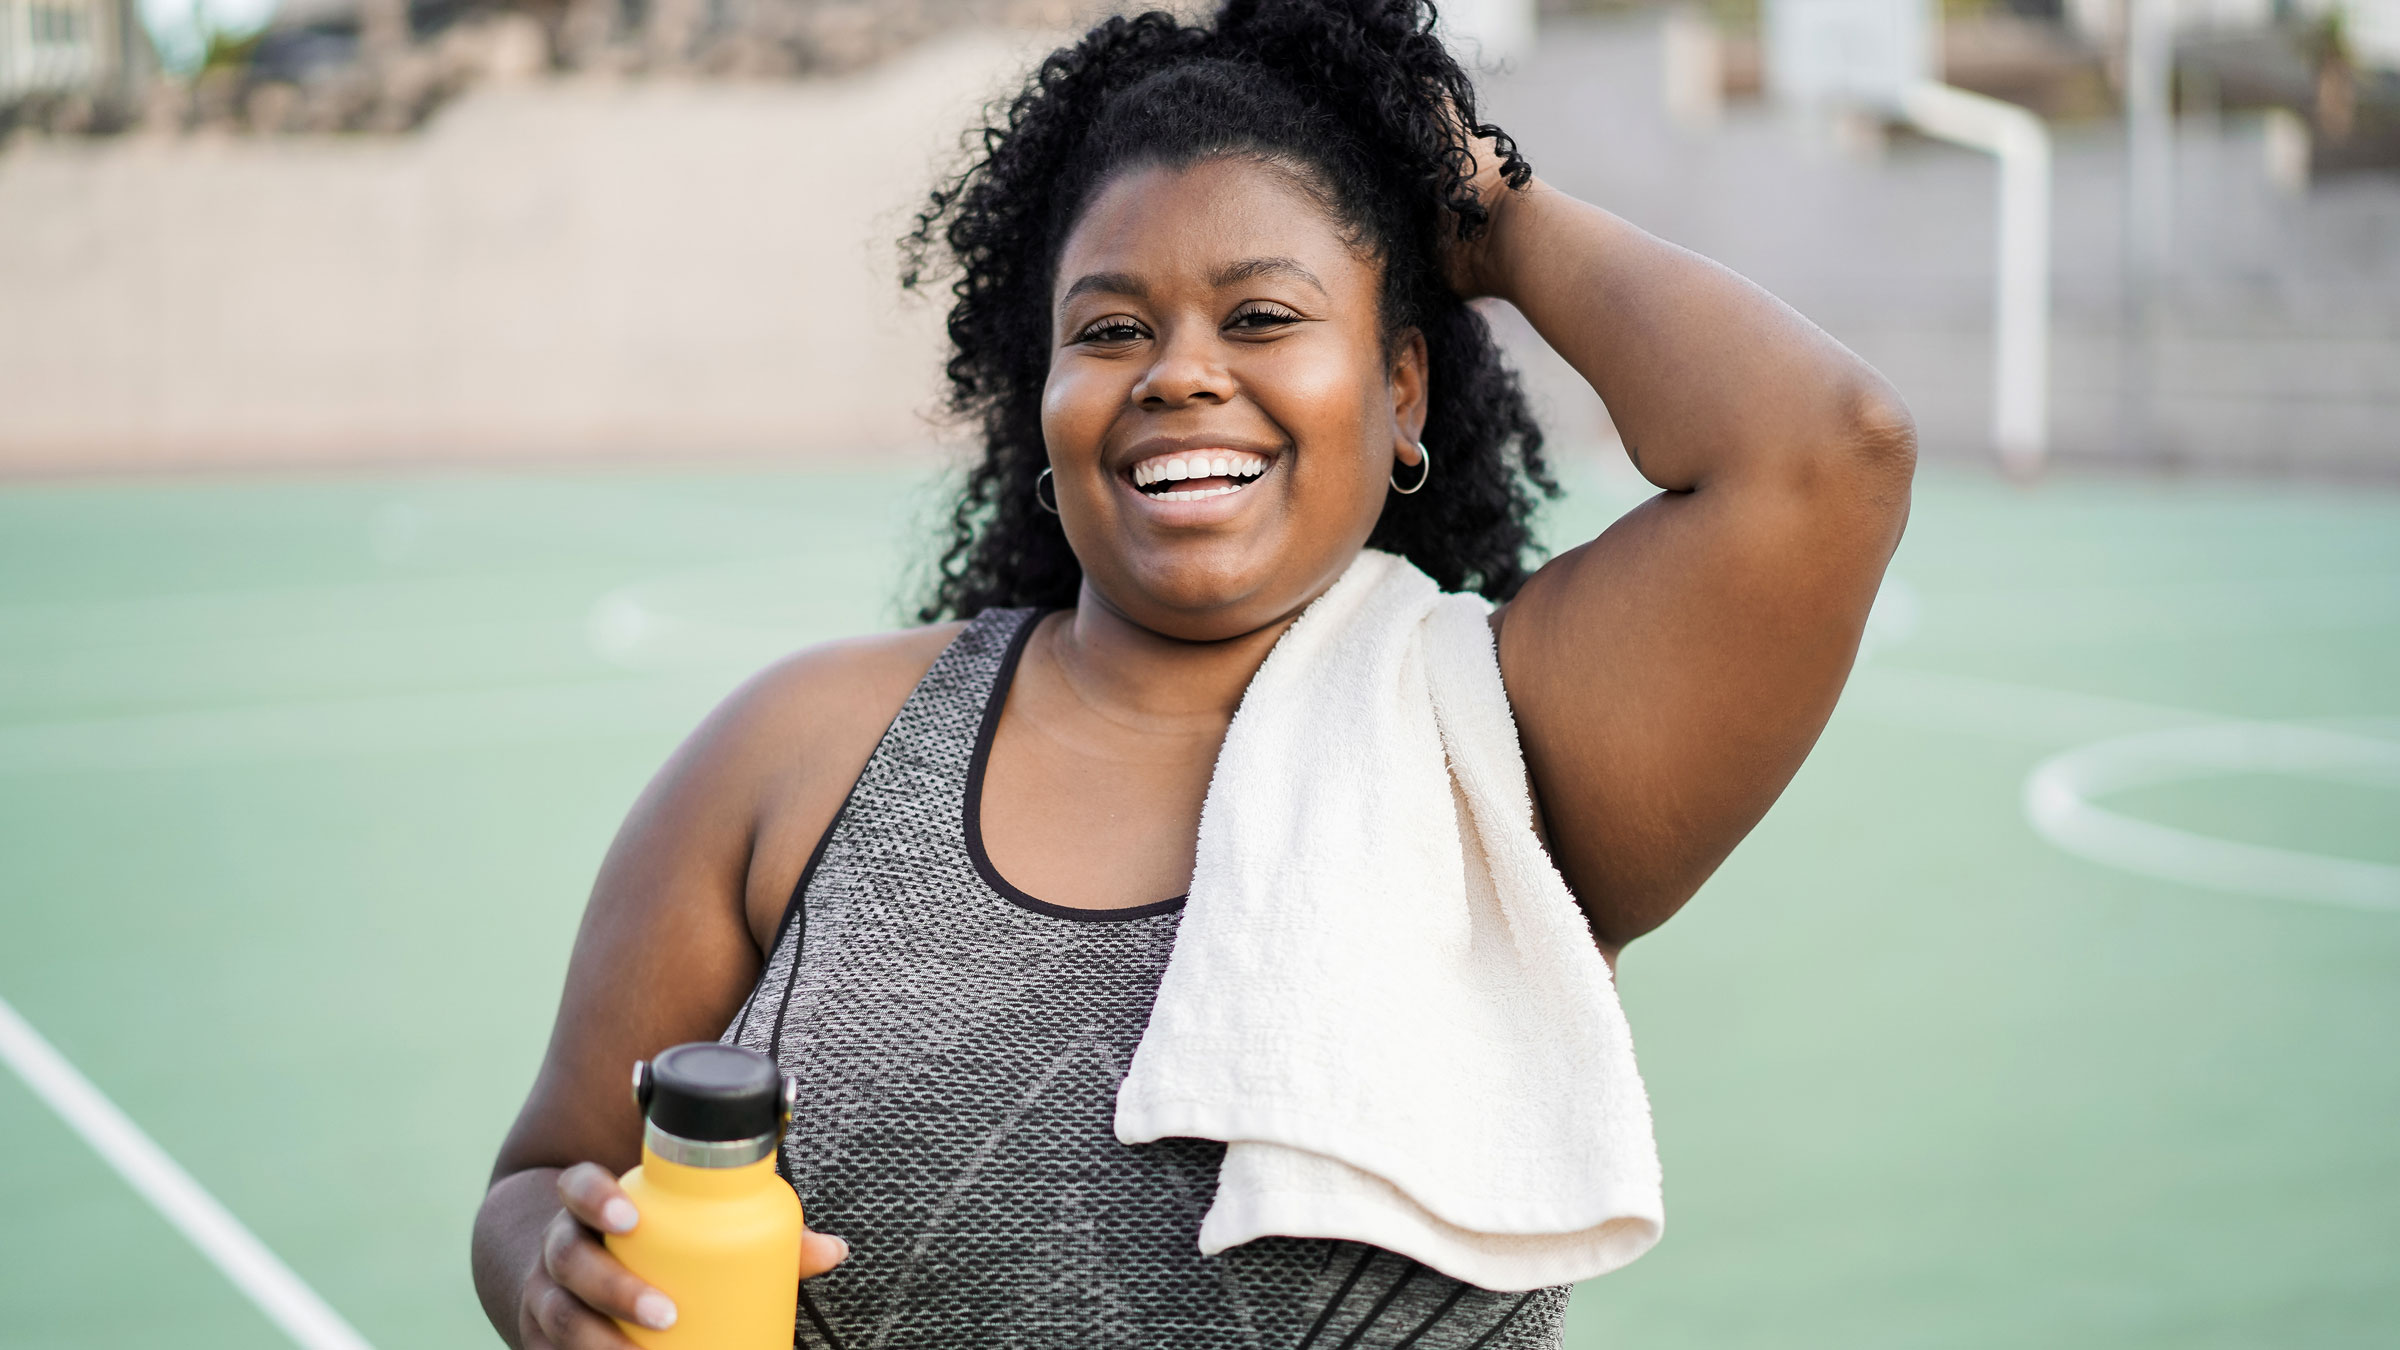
{"points": [[1474, 267]]}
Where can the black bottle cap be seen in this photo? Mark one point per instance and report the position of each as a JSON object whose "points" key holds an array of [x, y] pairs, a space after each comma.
{"points": [[711, 1092]]}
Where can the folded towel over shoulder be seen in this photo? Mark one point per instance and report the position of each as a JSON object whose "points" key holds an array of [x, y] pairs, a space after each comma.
{"points": [[1382, 996]]}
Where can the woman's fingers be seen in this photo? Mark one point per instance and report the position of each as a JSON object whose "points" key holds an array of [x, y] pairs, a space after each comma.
{"points": [[530, 1335], [594, 1200], [592, 1195], [820, 1252], [1466, 263], [550, 1318], [587, 1286], [585, 1270]]}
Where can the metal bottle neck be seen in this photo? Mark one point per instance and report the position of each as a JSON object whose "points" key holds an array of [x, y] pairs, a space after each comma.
{"points": [[707, 1153]]}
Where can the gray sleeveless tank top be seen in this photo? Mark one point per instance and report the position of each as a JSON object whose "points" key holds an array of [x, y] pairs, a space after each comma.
{"points": [[958, 1045]]}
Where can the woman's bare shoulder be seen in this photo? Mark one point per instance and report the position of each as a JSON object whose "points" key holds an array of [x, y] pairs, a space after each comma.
{"points": [[783, 747], [801, 730], [817, 713], [838, 688]]}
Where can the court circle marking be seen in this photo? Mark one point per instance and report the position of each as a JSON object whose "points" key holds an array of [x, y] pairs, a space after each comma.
{"points": [[2059, 803]]}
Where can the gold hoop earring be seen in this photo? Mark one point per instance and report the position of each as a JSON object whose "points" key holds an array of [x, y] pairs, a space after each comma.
{"points": [[1425, 471], [1049, 503]]}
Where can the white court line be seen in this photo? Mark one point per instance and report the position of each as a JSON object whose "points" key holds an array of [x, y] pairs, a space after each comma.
{"points": [[233, 1249], [2126, 744], [2058, 803]]}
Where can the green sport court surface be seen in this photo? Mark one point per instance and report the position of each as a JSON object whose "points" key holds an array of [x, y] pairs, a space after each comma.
{"points": [[301, 785]]}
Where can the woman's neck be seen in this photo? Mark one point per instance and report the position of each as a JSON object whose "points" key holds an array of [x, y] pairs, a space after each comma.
{"points": [[1125, 671]]}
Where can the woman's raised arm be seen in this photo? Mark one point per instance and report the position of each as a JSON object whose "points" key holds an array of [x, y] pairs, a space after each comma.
{"points": [[1669, 676]]}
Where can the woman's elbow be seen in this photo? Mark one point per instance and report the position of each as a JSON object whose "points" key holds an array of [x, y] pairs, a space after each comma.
{"points": [[1880, 435], [1863, 456]]}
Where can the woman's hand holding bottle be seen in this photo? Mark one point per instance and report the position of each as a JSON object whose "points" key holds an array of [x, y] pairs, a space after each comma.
{"points": [[572, 1294]]}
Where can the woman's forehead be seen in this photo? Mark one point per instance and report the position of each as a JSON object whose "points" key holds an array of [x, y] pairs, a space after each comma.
{"points": [[1215, 224]]}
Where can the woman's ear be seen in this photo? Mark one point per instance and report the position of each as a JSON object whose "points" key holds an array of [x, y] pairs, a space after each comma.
{"points": [[1410, 393]]}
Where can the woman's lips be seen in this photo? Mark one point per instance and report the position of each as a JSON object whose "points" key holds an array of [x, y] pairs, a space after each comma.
{"points": [[1196, 498]]}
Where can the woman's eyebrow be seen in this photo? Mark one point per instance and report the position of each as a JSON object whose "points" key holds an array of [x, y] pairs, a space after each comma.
{"points": [[1108, 283], [1251, 269], [1231, 274]]}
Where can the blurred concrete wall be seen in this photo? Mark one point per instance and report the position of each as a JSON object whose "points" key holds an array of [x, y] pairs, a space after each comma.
{"points": [[649, 269], [659, 270]]}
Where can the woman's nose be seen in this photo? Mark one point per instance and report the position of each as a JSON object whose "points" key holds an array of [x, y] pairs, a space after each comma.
{"points": [[1186, 369]]}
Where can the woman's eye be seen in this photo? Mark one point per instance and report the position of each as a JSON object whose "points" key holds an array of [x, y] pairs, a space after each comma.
{"points": [[1110, 330], [1261, 317]]}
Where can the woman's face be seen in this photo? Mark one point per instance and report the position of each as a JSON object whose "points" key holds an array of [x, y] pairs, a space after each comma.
{"points": [[1221, 415]]}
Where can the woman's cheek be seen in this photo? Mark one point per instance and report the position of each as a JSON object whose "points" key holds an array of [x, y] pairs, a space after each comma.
{"points": [[1078, 403], [1326, 405]]}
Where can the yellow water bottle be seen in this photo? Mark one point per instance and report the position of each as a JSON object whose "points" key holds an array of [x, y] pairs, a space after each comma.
{"points": [[719, 1231]]}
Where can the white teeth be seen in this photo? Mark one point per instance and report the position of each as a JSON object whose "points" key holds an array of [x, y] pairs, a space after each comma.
{"points": [[1193, 495], [1238, 466]]}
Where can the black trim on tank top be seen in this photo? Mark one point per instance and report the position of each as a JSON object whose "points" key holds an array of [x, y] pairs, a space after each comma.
{"points": [[795, 910], [971, 810], [792, 911]]}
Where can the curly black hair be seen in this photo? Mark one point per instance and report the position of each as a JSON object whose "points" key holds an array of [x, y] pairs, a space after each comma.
{"points": [[1356, 99]]}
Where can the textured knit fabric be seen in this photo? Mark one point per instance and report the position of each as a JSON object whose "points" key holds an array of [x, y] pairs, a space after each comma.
{"points": [[959, 1045]]}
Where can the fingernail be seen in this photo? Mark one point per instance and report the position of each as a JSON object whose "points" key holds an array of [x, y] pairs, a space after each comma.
{"points": [[845, 1250], [620, 1217], [655, 1311]]}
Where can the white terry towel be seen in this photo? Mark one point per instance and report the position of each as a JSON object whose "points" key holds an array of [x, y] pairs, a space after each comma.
{"points": [[1382, 996]]}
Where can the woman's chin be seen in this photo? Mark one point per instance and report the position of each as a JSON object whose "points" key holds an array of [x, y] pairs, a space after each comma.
{"points": [[1220, 595], [1197, 614]]}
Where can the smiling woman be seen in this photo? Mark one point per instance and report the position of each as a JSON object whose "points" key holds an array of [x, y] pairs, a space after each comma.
{"points": [[1212, 318]]}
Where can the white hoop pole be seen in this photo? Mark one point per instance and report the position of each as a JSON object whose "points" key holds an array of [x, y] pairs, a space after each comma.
{"points": [[2021, 340], [2149, 212]]}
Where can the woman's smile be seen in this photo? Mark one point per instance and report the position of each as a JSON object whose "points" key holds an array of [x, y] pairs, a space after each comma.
{"points": [[1202, 472], [1195, 483]]}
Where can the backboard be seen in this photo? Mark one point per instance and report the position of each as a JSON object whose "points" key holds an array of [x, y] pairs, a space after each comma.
{"points": [[1857, 51]]}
